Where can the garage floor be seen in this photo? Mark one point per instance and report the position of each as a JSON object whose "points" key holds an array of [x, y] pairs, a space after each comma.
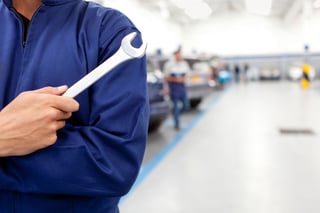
{"points": [[251, 148]]}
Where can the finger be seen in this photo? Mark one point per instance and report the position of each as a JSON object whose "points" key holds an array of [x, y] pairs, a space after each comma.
{"points": [[63, 115], [60, 124], [52, 90], [65, 104]]}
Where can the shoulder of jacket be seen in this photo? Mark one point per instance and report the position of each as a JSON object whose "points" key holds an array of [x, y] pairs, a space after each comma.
{"points": [[108, 15]]}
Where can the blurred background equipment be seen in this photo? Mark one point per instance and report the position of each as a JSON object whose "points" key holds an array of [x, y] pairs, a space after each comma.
{"points": [[305, 79], [296, 71]]}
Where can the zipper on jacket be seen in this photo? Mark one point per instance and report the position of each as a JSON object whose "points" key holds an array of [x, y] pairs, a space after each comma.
{"points": [[24, 30]]}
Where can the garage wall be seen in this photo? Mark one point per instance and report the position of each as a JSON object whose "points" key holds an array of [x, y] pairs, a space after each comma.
{"points": [[311, 31], [237, 34]]}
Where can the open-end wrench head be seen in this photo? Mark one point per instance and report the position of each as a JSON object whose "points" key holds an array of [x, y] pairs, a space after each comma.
{"points": [[131, 50]]}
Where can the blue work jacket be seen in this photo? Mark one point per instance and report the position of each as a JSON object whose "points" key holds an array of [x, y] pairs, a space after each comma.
{"points": [[98, 153]]}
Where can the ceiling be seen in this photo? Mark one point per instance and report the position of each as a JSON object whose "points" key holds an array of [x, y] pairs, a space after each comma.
{"points": [[282, 9]]}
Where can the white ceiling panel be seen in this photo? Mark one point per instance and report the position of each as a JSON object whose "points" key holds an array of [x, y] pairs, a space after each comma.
{"points": [[172, 8]]}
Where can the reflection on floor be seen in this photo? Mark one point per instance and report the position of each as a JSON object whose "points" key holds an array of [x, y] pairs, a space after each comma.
{"points": [[235, 159], [166, 135]]}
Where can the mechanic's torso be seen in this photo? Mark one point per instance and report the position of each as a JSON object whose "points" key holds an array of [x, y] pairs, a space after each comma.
{"points": [[61, 47]]}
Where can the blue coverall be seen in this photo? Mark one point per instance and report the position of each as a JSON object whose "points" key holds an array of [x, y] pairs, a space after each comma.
{"points": [[98, 153]]}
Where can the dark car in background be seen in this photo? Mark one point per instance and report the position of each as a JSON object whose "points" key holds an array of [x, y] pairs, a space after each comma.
{"points": [[158, 96]]}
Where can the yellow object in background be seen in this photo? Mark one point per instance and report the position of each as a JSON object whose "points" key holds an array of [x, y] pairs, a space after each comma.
{"points": [[305, 80]]}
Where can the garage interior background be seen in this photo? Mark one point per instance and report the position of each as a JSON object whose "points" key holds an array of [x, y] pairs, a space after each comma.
{"points": [[225, 27], [242, 161]]}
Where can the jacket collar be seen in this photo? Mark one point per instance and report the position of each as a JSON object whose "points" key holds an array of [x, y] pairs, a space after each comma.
{"points": [[46, 2], [57, 2]]}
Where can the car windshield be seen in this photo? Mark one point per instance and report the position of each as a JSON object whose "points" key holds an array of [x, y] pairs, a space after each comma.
{"points": [[201, 66]]}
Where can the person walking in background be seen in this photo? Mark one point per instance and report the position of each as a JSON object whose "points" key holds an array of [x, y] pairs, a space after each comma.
{"points": [[176, 71], [58, 154], [246, 68], [237, 73]]}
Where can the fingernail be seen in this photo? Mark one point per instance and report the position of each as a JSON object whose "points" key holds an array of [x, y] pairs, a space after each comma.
{"points": [[62, 88]]}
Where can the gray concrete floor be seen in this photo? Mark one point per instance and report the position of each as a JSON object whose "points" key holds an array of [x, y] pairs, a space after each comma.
{"points": [[234, 158]]}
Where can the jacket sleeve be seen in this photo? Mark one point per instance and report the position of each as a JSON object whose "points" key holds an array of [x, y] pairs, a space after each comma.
{"points": [[101, 157]]}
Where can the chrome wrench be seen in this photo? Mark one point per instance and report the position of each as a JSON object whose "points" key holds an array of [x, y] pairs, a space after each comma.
{"points": [[125, 52]]}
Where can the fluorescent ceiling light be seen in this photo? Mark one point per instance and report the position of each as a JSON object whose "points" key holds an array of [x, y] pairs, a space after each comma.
{"points": [[179, 3], [163, 10], [261, 7], [195, 9], [199, 11], [316, 4]]}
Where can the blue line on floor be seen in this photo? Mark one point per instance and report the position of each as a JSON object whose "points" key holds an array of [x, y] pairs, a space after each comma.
{"points": [[146, 170]]}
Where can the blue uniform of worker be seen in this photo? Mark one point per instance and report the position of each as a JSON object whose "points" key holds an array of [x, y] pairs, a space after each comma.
{"points": [[177, 69], [98, 153]]}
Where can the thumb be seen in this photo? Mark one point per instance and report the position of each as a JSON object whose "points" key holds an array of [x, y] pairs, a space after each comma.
{"points": [[52, 90]]}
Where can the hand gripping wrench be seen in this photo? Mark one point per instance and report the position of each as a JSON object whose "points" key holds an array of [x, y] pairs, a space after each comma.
{"points": [[125, 52]]}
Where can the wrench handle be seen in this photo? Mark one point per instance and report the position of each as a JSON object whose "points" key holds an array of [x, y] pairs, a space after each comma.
{"points": [[119, 57]]}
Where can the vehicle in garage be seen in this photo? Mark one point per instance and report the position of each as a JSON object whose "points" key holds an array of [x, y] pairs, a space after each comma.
{"points": [[158, 96], [198, 82], [270, 73]]}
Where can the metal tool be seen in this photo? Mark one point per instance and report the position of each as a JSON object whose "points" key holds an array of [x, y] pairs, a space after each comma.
{"points": [[125, 52]]}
